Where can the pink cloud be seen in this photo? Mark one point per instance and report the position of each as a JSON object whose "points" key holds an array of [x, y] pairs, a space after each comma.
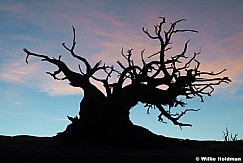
{"points": [[107, 34], [32, 75], [15, 72], [227, 53], [17, 11]]}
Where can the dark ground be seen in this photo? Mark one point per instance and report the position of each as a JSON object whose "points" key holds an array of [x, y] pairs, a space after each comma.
{"points": [[47, 149]]}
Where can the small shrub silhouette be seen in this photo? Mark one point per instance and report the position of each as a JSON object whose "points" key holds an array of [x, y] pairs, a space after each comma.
{"points": [[229, 138]]}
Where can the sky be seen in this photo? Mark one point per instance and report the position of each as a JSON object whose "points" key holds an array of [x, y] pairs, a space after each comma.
{"points": [[32, 103]]}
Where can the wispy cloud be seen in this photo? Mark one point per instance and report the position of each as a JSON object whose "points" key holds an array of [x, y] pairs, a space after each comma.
{"points": [[107, 33], [17, 11], [32, 75], [57, 118], [59, 88], [226, 53], [17, 73]]}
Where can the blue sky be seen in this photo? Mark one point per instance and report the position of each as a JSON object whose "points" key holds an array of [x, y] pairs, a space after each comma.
{"points": [[33, 103]]}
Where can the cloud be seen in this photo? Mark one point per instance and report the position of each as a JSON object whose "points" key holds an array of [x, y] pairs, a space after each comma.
{"points": [[57, 118], [18, 103], [53, 88], [106, 33], [226, 53], [15, 72], [17, 11], [33, 76]]}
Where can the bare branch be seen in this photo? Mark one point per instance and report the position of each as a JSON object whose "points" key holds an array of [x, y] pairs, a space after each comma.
{"points": [[211, 73], [154, 54], [79, 67], [150, 36], [71, 50], [143, 61], [34, 54], [172, 119], [54, 74], [185, 30], [226, 134]]}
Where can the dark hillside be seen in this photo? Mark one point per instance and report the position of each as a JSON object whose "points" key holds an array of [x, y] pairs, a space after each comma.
{"points": [[47, 149]]}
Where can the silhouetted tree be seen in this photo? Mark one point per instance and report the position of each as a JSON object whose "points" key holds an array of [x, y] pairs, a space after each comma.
{"points": [[156, 82], [226, 136]]}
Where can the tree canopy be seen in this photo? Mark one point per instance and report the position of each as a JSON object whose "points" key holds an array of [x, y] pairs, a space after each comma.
{"points": [[157, 81]]}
